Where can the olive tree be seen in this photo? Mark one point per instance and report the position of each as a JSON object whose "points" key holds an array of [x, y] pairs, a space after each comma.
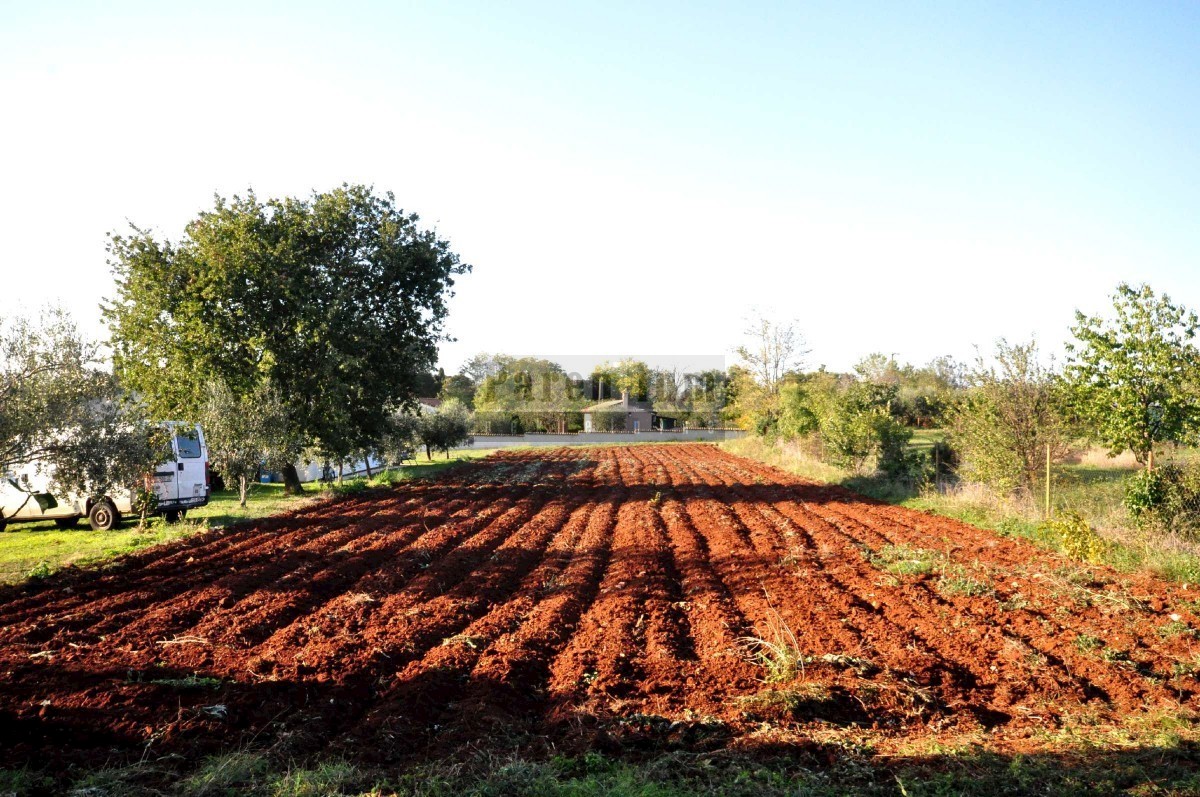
{"points": [[64, 414], [245, 434], [444, 429]]}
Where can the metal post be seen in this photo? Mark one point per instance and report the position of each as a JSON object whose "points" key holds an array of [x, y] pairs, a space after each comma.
{"points": [[1047, 480]]}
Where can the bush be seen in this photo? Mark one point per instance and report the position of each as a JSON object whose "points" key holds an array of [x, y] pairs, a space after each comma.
{"points": [[1078, 539], [1166, 499]]}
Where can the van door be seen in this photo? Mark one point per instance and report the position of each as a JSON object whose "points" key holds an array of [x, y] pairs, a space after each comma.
{"points": [[166, 480], [191, 480]]}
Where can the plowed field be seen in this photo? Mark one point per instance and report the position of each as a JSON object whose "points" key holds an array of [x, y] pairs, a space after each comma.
{"points": [[623, 597]]}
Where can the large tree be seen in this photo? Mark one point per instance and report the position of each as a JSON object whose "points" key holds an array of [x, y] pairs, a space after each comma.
{"points": [[1132, 378], [337, 301]]}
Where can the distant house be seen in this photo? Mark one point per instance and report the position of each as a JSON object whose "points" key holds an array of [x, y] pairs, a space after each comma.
{"points": [[619, 415], [428, 405]]}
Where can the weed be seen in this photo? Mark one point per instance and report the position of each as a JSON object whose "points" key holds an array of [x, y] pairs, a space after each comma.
{"points": [[332, 777], [473, 642], [1087, 642], [1188, 668], [193, 681], [232, 773], [1176, 628], [40, 571], [956, 581], [778, 653], [901, 560]]}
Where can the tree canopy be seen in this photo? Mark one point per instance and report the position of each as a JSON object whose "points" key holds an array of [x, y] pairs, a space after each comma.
{"points": [[337, 301]]}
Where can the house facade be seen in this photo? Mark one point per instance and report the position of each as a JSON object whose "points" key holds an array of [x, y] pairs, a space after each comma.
{"points": [[618, 415]]}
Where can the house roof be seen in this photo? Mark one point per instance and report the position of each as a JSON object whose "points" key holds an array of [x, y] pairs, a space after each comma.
{"points": [[618, 405], [614, 404]]}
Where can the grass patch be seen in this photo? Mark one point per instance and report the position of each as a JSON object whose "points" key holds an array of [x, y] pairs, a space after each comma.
{"points": [[901, 560], [1167, 768], [38, 550]]}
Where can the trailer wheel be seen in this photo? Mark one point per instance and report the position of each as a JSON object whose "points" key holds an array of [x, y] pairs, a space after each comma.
{"points": [[104, 516], [67, 522]]}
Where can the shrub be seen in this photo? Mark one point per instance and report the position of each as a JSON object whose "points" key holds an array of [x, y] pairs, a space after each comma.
{"points": [[1078, 539], [1166, 499], [1008, 418]]}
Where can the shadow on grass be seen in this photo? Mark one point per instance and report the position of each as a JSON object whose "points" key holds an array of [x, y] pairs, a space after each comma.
{"points": [[815, 770]]}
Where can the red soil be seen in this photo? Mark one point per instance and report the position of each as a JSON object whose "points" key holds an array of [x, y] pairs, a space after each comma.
{"points": [[579, 597]]}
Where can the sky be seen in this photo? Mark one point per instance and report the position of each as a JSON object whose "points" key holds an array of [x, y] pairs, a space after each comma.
{"points": [[911, 178]]}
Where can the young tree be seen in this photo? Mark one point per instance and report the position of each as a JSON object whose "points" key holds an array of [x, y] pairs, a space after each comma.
{"points": [[63, 413], [246, 434], [403, 435], [1011, 412], [776, 347], [1132, 379], [450, 426], [337, 301]]}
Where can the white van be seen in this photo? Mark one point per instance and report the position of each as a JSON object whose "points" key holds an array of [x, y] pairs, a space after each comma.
{"points": [[180, 484]]}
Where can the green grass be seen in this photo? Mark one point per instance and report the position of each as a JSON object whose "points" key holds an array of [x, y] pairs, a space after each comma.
{"points": [[1167, 768], [36, 550]]}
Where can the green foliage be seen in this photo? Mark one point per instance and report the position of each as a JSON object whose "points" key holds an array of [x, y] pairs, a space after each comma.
{"points": [[450, 426], [628, 375], [63, 413], [923, 395], [537, 392], [1132, 379], [1076, 537], [901, 560], [853, 420], [247, 433], [337, 302], [1010, 414], [1166, 498], [39, 571]]}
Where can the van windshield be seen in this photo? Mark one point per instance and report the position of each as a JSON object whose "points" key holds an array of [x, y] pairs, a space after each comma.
{"points": [[188, 447]]}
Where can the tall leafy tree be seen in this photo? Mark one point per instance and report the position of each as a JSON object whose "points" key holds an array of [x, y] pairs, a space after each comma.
{"points": [[1132, 377], [337, 301]]}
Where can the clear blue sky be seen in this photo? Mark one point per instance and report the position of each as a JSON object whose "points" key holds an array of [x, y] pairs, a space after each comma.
{"points": [[908, 178]]}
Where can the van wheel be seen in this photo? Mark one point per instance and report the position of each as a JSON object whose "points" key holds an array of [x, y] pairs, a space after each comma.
{"points": [[104, 516], [172, 516], [67, 522]]}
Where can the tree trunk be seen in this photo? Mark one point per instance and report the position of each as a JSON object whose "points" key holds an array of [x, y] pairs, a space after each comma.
{"points": [[367, 462], [291, 480], [428, 453], [243, 488], [341, 467]]}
